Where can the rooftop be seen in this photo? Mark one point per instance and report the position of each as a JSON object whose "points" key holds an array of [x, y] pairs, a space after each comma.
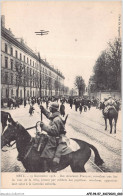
{"points": [[19, 42]]}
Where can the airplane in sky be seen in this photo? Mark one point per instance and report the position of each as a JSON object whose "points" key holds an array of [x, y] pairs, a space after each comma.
{"points": [[42, 32]]}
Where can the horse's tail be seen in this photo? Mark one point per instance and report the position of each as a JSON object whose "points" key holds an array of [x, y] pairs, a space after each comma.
{"points": [[97, 160]]}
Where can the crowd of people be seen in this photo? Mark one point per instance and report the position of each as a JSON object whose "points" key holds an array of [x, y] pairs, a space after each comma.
{"points": [[81, 104], [56, 129]]}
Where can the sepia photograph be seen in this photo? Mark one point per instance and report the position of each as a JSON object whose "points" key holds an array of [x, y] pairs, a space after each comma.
{"points": [[61, 92]]}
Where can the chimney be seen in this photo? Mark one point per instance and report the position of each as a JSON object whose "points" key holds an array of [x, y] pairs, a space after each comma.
{"points": [[22, 40], [11, 32], [3, 21]]}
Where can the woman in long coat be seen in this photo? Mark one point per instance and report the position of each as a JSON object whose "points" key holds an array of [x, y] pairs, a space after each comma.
{"points": [[62, 109]]}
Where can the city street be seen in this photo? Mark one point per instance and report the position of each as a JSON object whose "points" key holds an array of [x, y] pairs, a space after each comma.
{"points": [[67, 57], [87, 126]]}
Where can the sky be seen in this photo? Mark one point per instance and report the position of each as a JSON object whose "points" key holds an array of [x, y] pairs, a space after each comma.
{"points": [[78, 31]]}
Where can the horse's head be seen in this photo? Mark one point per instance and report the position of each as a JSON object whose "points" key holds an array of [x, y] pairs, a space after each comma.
{"points": [[117, 106], [8, 135]]}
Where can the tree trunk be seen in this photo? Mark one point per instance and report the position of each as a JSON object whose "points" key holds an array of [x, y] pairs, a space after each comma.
{"points": [[79, 93], [17, 91]]}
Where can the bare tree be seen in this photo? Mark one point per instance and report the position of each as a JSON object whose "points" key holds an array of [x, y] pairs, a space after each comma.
{"points": [[80, 85], [66, 90], [56, 86], [50, 85], [19, 74]]}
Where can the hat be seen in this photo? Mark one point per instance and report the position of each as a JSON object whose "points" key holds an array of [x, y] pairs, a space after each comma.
{"points": [[54, 105]]}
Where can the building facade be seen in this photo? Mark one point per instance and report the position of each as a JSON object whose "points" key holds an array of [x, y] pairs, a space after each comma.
{"points": [[23, 73]]}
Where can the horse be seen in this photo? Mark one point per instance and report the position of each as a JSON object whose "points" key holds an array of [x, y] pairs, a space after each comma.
{"points": [[30, 156], [5, 116], [5, 119], [111, 115]]}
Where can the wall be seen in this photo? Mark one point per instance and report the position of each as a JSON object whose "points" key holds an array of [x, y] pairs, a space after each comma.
{"points": [[101, 95]]}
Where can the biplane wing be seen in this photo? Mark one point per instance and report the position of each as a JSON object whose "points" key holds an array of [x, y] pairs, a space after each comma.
{"points": [[42, 32]]}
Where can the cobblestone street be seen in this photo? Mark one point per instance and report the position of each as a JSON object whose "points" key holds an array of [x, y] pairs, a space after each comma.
{"points": [[87, 126]]}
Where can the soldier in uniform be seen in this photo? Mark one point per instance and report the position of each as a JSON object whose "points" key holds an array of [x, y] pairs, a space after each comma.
{"points": [[71, 102], [109, 103], [56, 131], [31, 109], [80, 108]]}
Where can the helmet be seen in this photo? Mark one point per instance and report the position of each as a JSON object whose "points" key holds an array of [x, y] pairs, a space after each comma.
{"points": [[54, 105]]}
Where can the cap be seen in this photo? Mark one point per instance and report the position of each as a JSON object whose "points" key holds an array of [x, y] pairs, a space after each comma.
{"points": [[54, 105]]}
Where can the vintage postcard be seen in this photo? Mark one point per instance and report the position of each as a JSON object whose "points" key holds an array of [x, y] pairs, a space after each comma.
{"points": [[61, 95]]}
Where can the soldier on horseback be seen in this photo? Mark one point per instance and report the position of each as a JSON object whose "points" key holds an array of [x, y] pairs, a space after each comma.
{"points": [[56, 131], [108, 104]]}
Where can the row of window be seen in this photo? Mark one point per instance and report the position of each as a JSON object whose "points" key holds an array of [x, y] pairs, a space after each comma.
{"points": [[24, 59], [19, 68], [9, 79], [9, 93], [16, 55]]}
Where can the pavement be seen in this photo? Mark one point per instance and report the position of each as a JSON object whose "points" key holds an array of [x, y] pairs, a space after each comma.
{"points": [[88, 126]]}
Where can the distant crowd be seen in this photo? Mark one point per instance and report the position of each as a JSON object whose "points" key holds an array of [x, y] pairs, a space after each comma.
{"points": [[80, 103]]}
